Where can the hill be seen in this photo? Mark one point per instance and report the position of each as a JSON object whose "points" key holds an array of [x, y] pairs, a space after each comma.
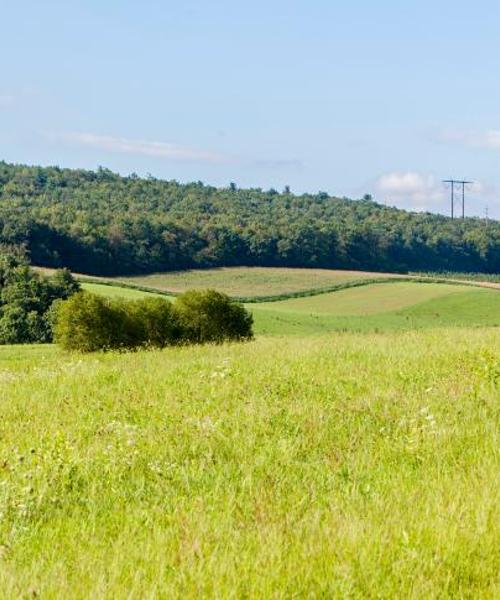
{"points": [[102, 223]]}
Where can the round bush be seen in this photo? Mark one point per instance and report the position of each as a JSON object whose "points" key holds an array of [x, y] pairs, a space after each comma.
{"points": [[87, 322], [210, 316]]}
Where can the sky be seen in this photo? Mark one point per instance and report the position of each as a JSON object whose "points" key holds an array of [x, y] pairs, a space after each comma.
{"points": [[351, 97]]}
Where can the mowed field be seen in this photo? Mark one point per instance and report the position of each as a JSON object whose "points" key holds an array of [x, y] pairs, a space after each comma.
{"points": [[349, 451]]}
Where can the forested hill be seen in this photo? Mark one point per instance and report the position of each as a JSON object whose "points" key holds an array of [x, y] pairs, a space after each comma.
{"points": [[102, 223]]}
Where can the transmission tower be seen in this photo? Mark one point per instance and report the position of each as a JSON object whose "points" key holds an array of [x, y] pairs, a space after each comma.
{"points": [[463, 183]]}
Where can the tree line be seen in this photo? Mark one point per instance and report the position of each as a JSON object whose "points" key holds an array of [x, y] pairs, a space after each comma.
{"points": [[101, 223]]}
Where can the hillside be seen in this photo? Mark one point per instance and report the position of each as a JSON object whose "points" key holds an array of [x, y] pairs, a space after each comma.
{"points": [[103, 223]]}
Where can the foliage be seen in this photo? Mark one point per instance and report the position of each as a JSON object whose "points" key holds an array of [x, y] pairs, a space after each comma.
{"points": [[102, 223], [27, 299], [285, 468], [88, 322], [210, 316], [157, 322]]}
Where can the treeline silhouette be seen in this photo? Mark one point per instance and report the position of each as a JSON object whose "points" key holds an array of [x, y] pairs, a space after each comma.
{"points": [[102, 223]]}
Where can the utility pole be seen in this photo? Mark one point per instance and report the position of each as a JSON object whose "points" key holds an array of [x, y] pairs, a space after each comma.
{"points": [[452, 189], [463, 196], [452, 183]]}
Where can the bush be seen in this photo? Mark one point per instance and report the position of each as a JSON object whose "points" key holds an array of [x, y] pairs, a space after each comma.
{"points": [[87, 322], [156, 322], [210, 316]]}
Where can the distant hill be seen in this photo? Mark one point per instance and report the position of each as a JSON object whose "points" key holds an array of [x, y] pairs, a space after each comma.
{"points": [[101, 223]]}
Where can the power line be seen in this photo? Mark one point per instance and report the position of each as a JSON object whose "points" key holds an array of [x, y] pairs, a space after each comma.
{"points": [[452, 183]]}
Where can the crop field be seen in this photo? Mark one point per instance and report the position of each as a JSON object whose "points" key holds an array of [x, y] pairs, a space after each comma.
{"points": [[251, 281], [367, 300]]}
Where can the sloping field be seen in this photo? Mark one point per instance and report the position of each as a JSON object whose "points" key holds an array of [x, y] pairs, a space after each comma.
{"points": [[373, 307], [346, 466], [263, 284], [113, 291], [366, 300], [471, 308], [251, 281]]}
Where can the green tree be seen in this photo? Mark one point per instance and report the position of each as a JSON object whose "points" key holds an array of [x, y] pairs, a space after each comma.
{"points": [[26, 298]]}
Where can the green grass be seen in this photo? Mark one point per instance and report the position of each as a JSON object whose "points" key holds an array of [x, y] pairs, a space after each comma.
{"points": [[344, 466], [365, 300], [116, 291], [473, 308], [360, 463]]}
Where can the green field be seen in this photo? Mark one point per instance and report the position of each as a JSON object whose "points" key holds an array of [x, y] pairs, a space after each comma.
{"points": [[359, 463], [116, 291], [373, 307], [366, 300], [347, 465]]}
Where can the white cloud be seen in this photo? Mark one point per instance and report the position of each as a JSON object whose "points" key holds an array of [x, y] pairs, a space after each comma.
{"points": [[423, 192], [412, 191], [154, 149]]}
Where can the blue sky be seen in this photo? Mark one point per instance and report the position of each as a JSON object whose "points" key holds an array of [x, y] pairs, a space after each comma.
{"points": [[383, 97]]}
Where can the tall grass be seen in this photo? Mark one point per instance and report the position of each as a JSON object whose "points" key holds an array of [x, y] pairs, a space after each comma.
{"points": [[349, 466]]}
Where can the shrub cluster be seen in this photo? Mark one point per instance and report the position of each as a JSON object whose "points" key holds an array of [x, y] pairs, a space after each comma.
{"points": [[88, 322], [28, 300]]}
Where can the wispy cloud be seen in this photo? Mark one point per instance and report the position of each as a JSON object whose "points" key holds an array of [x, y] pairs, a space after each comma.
{"points": [[165, 150], [488, 139]]}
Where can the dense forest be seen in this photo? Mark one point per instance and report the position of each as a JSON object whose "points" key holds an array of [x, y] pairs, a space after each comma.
{"points": [[102, 223]]}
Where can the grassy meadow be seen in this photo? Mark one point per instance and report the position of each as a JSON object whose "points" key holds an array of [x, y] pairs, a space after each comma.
{"points": [[346, 465], [359, 463]]}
